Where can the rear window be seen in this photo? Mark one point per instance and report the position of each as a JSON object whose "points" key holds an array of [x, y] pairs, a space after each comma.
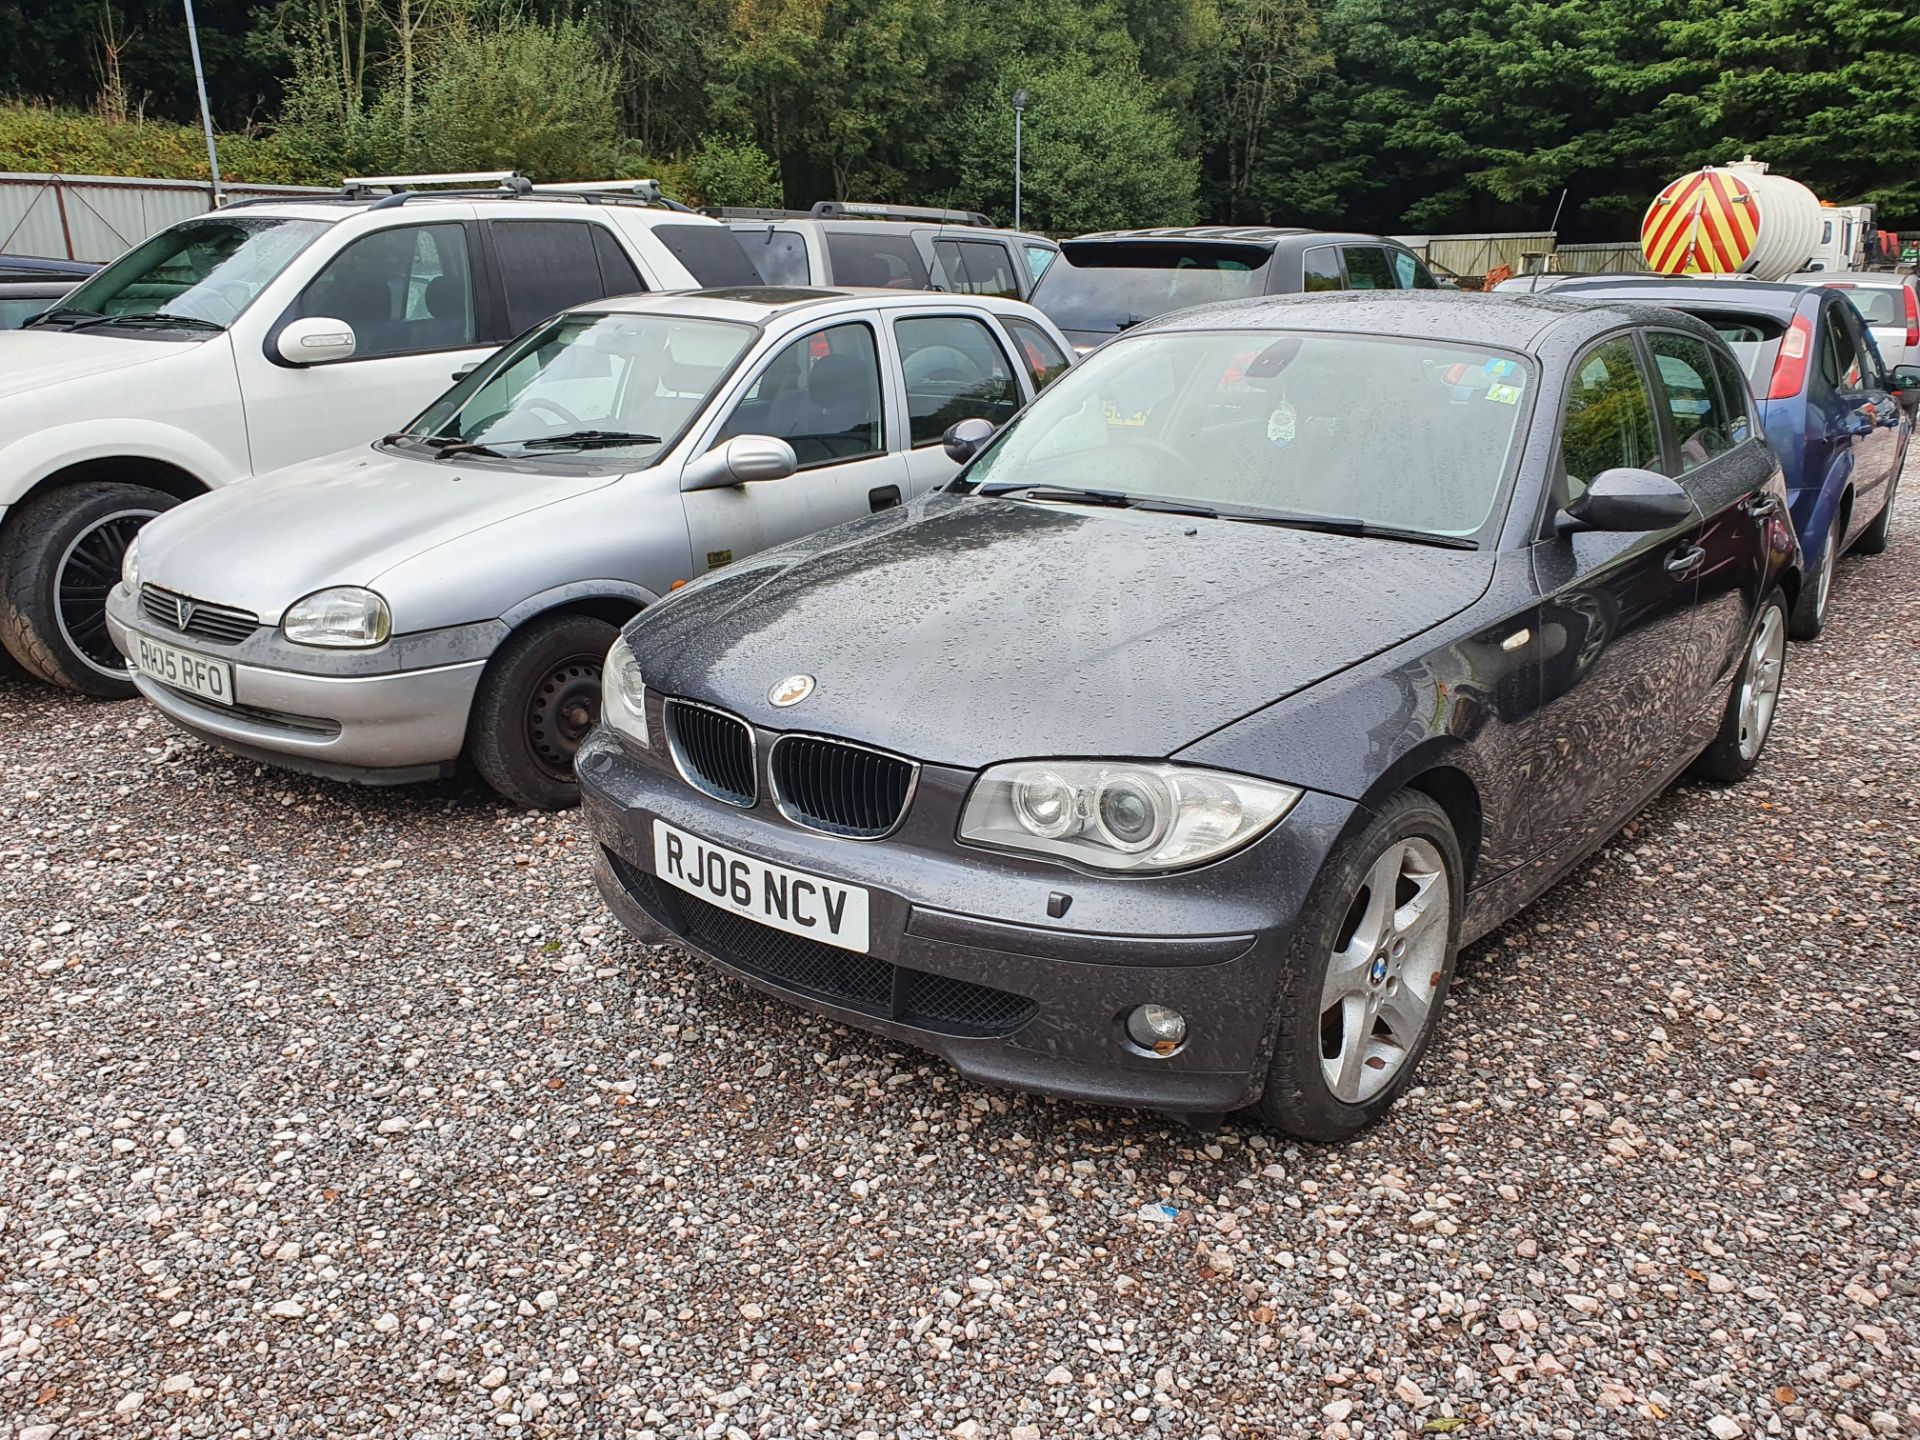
{"points": [[778, 256], [1107, 288], [1754, 340], [890, 261], [1877, 306], [710, 252]]}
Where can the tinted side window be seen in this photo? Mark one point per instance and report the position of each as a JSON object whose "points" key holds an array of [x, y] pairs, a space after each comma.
{"points": [[617, 275], [1840, 363], [778, 256], [1044, 360], [1321, 269], [1738, 395], [1367, 268], [545, 265], [1608, 420], [711, 253], [821, 394], [1698, 416], [1039, 257], [955, 370], [977, 267], [402, 290], [1411, 274], [890, 260]]}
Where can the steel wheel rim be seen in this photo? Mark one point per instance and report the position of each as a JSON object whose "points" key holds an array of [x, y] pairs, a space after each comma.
{"points": [[565, 706], [1824, 585], [1760, 685], [89, 568], [1376, 1002]]}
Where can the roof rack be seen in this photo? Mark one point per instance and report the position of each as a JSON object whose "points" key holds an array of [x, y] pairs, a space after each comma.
{"points": [[864, 210], [644, 189], [388, 191], [366, 184], [753, 212]]}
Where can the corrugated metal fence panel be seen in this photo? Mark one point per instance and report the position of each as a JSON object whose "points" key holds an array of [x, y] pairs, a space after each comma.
{"points": [[96, 217], [1477, 254], [1617, 257]]}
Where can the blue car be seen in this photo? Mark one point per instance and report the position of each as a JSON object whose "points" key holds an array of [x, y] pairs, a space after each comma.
{"points": [[1824, 398]]}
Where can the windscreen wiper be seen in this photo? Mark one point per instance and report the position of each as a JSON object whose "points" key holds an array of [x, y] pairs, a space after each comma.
{"points": [[1114, 499], [59, 312], [586, 439], [1348, 525], [150, 317], [452, 447]]}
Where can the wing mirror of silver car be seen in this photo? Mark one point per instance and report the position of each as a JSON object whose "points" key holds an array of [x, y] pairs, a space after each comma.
{"points": [[965, 438], [740, 461], [315, 340], [1627, 499]]}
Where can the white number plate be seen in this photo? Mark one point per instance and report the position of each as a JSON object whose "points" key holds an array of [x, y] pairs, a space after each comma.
{"points": [[209, 679], [788, 900]]}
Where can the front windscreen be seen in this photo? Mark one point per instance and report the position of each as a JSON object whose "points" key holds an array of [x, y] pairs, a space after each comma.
{"points": [[1412, 435], [623, 384], [203, 271], [1115, 286]]}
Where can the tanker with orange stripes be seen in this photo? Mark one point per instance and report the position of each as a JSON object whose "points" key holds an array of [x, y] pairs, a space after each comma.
{"points": [[1732, 220]]}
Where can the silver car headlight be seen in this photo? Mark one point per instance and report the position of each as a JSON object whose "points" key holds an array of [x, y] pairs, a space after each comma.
{"points": [[623, 695], [130, 567], [1118, 815], [342, 618]]}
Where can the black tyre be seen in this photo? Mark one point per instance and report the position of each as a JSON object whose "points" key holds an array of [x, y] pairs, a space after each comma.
{"points": [[539, 697], [59, 557], [1809, 616], [1367, 978], [1748, 718], [1873, 540]]}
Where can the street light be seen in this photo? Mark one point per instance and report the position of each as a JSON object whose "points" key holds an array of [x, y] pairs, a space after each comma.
{"points": [[206, 115], [1019, 109]]}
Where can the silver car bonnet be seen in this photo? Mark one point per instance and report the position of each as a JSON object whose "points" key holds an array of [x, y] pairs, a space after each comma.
{"points": [[343, 520]]}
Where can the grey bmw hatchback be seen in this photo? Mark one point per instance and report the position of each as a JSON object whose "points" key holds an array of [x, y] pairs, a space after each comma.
{"points": [[1168, 755]]}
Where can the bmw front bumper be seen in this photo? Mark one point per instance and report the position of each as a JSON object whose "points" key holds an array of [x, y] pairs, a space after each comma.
{"points": [[965, 958], [380, 717]]}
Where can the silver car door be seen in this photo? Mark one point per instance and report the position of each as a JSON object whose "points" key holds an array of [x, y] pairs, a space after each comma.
{"points": [[823, 393]]}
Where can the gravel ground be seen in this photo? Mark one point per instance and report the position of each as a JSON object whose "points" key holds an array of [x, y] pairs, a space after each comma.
{"points": [[350, 1113]]}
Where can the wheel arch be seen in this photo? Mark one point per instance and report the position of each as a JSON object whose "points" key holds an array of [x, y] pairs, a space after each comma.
{"points": [[1437, 774], [614, 601], [157, 474]]}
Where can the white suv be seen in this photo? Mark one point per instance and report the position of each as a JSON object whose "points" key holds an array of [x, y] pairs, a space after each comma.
{"points": [[267, 333]]}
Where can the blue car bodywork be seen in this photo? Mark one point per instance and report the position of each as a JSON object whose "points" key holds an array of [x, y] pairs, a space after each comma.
{"points": [[1821, 393]]}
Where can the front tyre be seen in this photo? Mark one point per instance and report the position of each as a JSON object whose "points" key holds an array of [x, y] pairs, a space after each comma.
{"points": [[60, 558], [539, 697], [1748, 718], [1372, 957]]}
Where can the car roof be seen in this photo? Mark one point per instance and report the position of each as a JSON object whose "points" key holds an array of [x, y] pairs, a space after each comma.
{"points": [[1885, 279], [1511, 321], [1769, 297], [1269, 236], [757, 304], [35, 267], [336, 208]]}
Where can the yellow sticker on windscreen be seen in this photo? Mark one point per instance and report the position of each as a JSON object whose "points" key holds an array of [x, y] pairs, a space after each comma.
{"points": [[1504, 394]]}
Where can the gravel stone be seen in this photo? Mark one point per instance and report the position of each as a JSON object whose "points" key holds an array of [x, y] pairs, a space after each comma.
{"points": [[351, 1112]]}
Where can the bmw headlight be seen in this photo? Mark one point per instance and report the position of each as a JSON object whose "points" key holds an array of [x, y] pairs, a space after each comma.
{"points": [[130, 567], [1117, 815], [343, 618], [623, 695]]}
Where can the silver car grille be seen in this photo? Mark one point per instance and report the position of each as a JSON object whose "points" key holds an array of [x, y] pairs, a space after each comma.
{"points": [[220, 624]]}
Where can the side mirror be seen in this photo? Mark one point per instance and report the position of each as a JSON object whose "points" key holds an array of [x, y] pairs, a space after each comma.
{"points": [[740, 461], [1904, 381], [315, 340], [964, 439], [1628, 499]]}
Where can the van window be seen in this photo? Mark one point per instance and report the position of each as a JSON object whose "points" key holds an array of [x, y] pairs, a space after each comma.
{"points": [[711, 253], [779, 257], [977, 267], [892, 261]]}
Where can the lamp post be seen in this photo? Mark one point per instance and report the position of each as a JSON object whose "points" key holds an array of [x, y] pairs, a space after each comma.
{"points": [[1019, 110], [206, 115]]}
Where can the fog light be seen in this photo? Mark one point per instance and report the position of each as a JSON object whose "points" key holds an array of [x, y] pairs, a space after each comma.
{"points": [[1158, 1028]]}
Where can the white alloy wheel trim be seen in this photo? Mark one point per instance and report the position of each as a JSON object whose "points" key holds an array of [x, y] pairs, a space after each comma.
{"points": [[1760, 684], [1377, 999]]}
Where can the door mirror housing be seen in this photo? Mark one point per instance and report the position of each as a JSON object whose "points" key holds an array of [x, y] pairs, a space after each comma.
{"points": [[966, 438], [315, 340], [1628, 499], [1904, 382], [740, 461]]}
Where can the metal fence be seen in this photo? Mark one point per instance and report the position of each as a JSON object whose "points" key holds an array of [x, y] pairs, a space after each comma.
{"points": [[96, 217], [1616, 257], [1524, 252]]}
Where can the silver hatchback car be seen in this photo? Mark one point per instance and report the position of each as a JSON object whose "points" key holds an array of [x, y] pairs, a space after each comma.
{"points": [[454, 588]]}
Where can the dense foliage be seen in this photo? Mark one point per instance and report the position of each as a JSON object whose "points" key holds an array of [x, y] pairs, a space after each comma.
{"points": [[1409, 115]]}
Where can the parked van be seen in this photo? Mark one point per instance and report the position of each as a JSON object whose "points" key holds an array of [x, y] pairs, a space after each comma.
{"points": [[895, 247]]}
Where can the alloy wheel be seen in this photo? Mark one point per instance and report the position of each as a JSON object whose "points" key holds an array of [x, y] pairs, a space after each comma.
{"points": [[89, 569], [1377, 1000], [1824, 582], [565, 706], [1760, 685]]}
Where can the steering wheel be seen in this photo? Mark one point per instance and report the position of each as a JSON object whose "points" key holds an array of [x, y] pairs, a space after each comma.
{"points": [[556, 410], [1140, 451]]}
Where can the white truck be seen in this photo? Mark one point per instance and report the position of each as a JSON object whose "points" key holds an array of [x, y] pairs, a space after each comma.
{"points": [[269, 332]]}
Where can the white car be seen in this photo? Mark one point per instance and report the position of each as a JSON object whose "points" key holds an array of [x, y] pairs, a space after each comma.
{"points": [[1888, 302], [453, 589], [263, 334]]}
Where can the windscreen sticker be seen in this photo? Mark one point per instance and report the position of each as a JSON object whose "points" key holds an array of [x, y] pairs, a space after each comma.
{"points": [[1283, 424], [1504, 394], [1115, 418], [1498, 369]]}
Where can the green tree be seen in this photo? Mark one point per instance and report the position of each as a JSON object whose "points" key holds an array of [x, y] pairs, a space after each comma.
{"points": [[730, 170]]}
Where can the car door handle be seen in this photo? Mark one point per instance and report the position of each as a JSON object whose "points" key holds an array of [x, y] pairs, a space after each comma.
{"points": [[883, 497], [465, 370], [1761, 506], [1683, 564]]}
